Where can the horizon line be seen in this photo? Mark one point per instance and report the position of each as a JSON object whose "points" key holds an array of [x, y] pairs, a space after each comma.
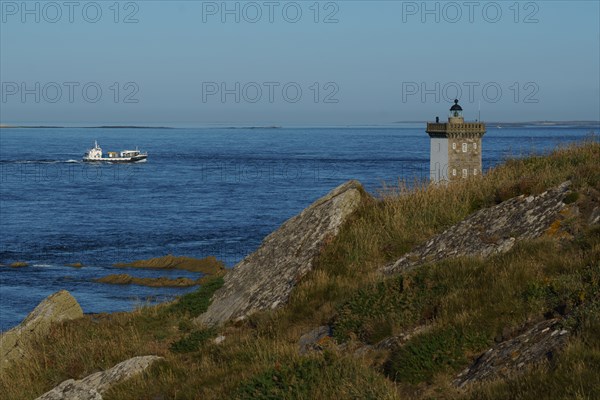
{"points": [[282, 126]]}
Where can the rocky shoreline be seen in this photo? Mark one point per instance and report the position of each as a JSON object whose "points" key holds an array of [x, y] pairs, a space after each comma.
{"points": [[239, 310]]}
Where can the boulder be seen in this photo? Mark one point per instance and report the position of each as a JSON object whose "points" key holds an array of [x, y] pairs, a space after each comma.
{"points": [[493, 230], [219, 339], [60, 306], [208, 265], [594, 217], [19, 264], [93, 386], [265, 278], [312, 340], [511, 357]]}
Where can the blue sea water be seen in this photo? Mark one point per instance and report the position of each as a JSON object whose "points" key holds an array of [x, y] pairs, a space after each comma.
{"points": [[211, 191]]}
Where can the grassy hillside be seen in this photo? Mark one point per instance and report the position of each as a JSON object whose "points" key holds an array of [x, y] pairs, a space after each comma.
{"points": [[452, 310]]}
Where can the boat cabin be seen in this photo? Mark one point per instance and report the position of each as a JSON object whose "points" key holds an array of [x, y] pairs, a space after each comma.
{"points": [[130, 153]]}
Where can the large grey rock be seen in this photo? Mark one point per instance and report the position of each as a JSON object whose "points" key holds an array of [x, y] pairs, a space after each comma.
{"points": [[93, 386], [514, 356], [265, 278], [490, 231], [60, 306]]}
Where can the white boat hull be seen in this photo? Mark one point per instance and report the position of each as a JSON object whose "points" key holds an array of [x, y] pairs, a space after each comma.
{"points": [[141, 157], [126, 156]]}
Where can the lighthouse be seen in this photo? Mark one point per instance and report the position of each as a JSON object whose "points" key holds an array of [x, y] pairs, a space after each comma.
{"points": [[455, 147]]}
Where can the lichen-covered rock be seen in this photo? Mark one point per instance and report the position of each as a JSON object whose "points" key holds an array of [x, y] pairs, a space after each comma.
{"points": [[311, 340], [265, 278], [93, 386], [60, 306], [208, 265], [71, 390], [594, 217], [219, 339], [393, 342], [514, 356], [492, 230]]}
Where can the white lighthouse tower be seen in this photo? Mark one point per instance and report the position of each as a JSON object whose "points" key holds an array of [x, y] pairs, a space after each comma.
{"points": [[455, 147]]}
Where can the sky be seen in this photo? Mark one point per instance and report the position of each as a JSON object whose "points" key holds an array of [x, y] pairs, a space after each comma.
{"points": [[197, 63]]}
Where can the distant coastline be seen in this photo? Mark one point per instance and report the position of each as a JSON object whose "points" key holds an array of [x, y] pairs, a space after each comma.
{"points": [[83, 127], [540, 124]]}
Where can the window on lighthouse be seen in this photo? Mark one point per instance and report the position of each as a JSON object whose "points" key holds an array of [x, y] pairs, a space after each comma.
{"points": [[465, 172], [453, 146], [464, 147]]}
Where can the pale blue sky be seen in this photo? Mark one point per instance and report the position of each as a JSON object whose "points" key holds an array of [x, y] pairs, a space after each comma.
{"points": [[373, 58]]}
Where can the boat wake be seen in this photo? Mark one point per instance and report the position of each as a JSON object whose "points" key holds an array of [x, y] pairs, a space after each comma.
{"points": [[70, 161]]}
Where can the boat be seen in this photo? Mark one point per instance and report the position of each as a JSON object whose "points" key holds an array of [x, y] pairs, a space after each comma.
{"points": [[126, 156]]}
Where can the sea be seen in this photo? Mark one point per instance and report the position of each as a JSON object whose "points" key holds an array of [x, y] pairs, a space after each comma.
{"points": [[213, 191]]}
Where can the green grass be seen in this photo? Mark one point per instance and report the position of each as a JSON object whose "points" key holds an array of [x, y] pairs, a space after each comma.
{"points": [[275, 383], [400, 302], [197, 302], [326, 377], [466, 303], [442, 349], [193, 341], [573, 375]]}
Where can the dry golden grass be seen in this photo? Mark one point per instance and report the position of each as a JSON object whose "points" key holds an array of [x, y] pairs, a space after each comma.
{"points": [[19, 264], [208, 265], [125, 279]]}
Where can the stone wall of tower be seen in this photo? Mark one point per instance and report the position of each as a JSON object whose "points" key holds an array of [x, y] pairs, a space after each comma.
{"points": [[464, 157]]}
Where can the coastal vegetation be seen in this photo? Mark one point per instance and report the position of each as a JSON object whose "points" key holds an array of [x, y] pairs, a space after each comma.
{"points": [[446, 313], [208, 265], [19, 264], [125, 279]]}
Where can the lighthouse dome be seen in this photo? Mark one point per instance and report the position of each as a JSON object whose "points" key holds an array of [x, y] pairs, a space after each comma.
{"points": [[456, 114], [456, 107]]}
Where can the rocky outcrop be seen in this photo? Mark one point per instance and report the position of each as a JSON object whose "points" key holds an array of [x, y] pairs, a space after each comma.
{"points": [[208, 265], [594, 217], [93, 386], [19, 264], [492, 230], [265, 278], [124, 279], [312, 340], [514, 356], [60, 306]]}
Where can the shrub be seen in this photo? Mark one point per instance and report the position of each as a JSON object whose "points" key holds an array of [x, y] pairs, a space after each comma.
{"points": [[193, 341], [429, 353], [197, 302]]}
